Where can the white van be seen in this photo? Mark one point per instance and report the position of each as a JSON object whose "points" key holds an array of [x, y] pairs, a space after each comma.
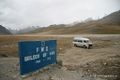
{"points": [[82, 42]]}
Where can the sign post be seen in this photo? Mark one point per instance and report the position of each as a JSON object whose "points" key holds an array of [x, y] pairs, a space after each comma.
{"points": [[35, 55]]}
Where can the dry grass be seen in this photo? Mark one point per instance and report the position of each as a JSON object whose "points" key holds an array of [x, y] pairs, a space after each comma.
{"points": [[83, 28], [9, 44]]}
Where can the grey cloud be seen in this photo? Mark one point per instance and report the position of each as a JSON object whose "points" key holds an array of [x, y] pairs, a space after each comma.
{"points": [[23, 13]]}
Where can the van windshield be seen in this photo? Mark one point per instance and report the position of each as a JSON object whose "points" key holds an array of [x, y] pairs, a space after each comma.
{"points": [[86, 41]]}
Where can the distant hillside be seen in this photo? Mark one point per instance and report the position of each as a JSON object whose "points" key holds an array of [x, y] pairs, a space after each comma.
{"points": [[109, 24], [113, 18], [3, 30], [48, 29], [27, 30]]}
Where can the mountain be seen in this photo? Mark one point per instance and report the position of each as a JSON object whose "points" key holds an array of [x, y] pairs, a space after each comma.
{"points": [[48, 29], [113, 19], [13, 31], [27, 30], [109, 24], [3, 30]]}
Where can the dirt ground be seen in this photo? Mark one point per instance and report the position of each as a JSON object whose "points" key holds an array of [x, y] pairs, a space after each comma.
{"points": [[102, 62]]}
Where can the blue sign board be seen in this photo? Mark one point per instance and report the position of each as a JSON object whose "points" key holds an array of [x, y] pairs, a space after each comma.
{"points": [[35, 55]]}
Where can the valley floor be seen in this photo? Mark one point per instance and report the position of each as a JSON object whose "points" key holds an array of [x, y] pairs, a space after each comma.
{"points": [[102, 62]]}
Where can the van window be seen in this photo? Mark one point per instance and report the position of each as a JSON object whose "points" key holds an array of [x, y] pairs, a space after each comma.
{"points": [[85, 41], [75, 40], [79, 40]]}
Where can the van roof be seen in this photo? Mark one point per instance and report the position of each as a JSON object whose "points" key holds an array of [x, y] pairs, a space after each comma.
{"points": [[80, 38]]}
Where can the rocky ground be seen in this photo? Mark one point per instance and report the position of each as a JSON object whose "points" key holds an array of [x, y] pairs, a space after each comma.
{"points": [[102, 62]]}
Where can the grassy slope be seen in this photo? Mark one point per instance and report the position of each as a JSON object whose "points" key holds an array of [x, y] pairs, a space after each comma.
{"points": [[84, 28]]}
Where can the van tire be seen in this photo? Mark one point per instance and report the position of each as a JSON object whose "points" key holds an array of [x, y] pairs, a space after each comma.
{"points": [[84, 47], [75, 45], [90, 47]]}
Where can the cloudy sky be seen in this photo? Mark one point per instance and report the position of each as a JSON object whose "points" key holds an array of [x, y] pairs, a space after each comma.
{"points": [[23, 13]]}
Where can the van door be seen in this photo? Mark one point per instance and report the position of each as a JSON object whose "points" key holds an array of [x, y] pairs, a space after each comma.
{"points": [[85, 43], [80, 42]]}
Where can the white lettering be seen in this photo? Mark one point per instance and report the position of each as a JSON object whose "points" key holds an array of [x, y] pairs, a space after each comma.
{"points": [[33, 57], [38, 61], [48, 58], [37, 49], [42, 49], [52, 53], [46, 48], [43, 43], [44, 54]]}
